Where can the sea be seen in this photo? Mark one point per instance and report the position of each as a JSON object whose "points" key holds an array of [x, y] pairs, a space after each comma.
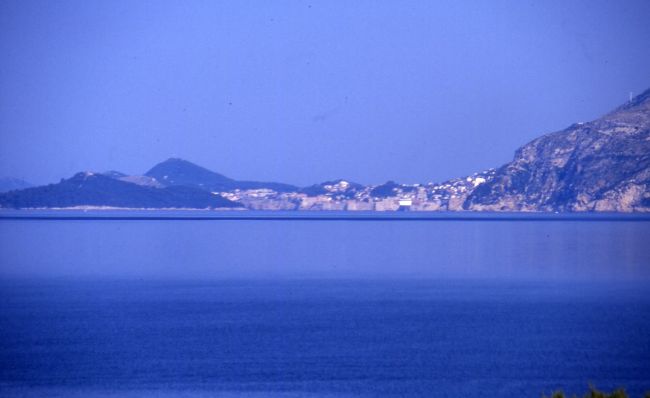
{"points": [[254, 304]]}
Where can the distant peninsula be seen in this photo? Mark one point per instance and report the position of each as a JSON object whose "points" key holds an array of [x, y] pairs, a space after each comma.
{"points": [[602, 165]]}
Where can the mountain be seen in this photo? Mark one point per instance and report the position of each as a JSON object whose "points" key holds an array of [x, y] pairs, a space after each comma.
{"points": [[9, 184], [602, 165], [385, 190], [340, 187], [114, 174], [89, 189], [179, 172], [138, 180]]}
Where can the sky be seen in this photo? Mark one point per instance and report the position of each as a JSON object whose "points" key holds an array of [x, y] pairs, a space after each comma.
{"points": [[306, 91]]}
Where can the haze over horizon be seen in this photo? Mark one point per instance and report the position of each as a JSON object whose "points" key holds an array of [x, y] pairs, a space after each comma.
{"points": [[303, 92]]}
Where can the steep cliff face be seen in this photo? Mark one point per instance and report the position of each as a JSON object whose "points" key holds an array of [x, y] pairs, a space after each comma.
{"points": [[603, 165]]}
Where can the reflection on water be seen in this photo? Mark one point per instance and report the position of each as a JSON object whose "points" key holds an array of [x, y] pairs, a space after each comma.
{"points": [[251, 308], [533, 249]]}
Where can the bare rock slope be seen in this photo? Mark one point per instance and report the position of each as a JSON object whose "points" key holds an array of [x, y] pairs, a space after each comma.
{"points": [[603, 165]]}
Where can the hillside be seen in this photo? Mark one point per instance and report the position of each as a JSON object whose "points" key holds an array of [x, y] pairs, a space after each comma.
{"points": [[89, 189], [179, 172], [9, 184], [602, 165]]}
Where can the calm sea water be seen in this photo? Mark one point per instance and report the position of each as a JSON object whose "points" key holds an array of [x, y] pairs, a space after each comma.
{"points": [[121, 308]]}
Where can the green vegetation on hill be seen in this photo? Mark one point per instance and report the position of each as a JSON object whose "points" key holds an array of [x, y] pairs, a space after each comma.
{"points": [[179, 172], [89, 189]]}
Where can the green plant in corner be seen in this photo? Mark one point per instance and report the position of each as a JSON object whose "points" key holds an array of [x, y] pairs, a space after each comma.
{"points": [[594, 393]]}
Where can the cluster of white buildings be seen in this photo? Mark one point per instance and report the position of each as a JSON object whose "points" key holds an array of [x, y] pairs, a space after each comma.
{"points": [[342, 195]]}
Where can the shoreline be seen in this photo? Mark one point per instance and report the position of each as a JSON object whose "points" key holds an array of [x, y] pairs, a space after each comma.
{"points": [[180, 214]]}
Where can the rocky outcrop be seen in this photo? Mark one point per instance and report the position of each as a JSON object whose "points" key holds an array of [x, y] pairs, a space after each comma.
{"points": [[603, 165]]}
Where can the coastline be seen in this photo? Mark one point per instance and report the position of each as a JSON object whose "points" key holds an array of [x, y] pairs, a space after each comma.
{"points": [[114, 213]]}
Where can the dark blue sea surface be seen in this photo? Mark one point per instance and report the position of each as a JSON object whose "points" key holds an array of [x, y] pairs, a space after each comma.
{"points": [[369, 338], [291, 308]]}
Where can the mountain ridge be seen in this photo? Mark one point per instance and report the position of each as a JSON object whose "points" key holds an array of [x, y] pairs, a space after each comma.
{"points": [[176, 171], [11, 184], [92, 189], [601, 165]]}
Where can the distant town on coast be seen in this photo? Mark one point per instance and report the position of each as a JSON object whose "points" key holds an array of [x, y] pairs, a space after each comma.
{"points": [[602, 165]]}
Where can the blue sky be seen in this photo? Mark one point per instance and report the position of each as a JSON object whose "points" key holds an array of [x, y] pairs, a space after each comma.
{"points": [[306, 91]]}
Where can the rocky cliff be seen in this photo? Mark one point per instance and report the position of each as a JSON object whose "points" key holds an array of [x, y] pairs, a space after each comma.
{"points": [[603, 165]]}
